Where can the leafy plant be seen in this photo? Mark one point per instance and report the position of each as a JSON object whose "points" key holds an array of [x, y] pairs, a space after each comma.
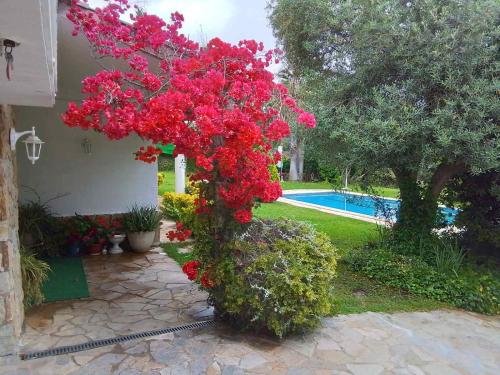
{"points": [[469, 289], [142, 219], [33, 273], [39, 229], [448, 257], [275, 276], [91, 230], [179, 207]]}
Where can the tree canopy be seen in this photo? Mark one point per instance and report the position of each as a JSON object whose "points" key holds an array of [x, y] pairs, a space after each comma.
{"points": [[218, 104], [408, 85]]}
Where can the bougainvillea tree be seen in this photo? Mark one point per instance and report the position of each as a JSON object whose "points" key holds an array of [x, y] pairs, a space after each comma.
{"points": [[218, 104]]}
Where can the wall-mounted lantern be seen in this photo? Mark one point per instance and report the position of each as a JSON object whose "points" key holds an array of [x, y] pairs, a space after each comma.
{"points": [[86, 146], [33, 143]]}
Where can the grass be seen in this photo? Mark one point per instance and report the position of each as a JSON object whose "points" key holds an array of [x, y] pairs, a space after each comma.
{"points": [[168, 183], [345, 233], [353, 293], [377, 190], [294, 185], [172, 250]]}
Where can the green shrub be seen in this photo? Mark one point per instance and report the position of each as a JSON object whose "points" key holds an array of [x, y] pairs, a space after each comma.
{"points": [[469, 289], [448, 256], [179, 207], [273, 171], [330, 173], [40, 230], [142, 219], [33, 273], [275, 276]]}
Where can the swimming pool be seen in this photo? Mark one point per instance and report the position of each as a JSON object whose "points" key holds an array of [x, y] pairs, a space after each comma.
{"points": [[361, 204]]}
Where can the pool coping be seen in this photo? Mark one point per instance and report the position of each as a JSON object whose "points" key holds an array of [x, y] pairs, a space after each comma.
{"points": [[334, 211]]}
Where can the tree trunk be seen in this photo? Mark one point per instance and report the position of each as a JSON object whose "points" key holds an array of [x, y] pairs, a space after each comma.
{"points": [[293, 174], [419, 205], [300, 161], [296, 172]]}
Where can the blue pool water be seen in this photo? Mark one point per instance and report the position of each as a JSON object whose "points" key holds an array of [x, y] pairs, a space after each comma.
{"points": [[361, 204]]}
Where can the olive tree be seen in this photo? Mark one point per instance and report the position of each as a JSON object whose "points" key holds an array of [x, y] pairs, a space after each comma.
{"points": [[407, 85]]}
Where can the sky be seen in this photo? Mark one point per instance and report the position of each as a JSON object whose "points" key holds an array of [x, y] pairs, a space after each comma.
{"points": [[230, 20]]}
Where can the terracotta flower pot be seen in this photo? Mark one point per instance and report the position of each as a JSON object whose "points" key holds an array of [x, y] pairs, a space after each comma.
{"points": [[141, 241], [94, 249]]}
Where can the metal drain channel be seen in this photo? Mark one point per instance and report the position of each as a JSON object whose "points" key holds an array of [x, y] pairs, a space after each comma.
{"points": [[111, 341]]}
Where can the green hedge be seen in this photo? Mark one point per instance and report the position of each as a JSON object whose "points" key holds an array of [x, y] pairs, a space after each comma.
{"points": [[468, 289]]}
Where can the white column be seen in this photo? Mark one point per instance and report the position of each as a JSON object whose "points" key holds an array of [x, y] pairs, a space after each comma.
{"points": [[180, 174]]}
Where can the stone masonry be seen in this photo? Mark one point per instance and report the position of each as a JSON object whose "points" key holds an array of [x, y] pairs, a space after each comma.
{"points": [[11, 293]]}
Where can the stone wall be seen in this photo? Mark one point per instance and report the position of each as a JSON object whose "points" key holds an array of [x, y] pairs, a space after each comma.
{"points": [[11, 293]]}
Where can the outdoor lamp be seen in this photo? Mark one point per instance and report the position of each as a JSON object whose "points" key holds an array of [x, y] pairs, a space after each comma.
{"points": [[33, 143], [86, 146]]}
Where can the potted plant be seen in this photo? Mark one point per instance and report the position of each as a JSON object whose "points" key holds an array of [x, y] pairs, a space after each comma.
{"points": [[93, 233], [141, 223]]}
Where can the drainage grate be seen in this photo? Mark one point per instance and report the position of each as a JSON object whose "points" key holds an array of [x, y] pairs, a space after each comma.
{"points": [[111, 341]]}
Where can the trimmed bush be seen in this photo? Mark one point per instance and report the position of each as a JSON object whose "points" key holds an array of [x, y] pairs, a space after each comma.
{"points": [[179, 207], [468, 289], [276, 276]]}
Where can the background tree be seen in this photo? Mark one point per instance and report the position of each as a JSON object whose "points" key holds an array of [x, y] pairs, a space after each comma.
{"points": [[406, 85], [296, 144]]}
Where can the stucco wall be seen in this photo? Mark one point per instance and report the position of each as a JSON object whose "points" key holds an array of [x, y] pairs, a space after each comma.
{"points": [[11, 293], [106, 181]]}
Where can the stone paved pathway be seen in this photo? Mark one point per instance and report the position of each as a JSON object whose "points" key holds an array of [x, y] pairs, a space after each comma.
{"points": [[133, 293]]}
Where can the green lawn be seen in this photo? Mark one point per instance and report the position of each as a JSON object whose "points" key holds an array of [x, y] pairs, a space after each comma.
{"points": [[353, 293], [171, 248], [293, 185], [378, 190], [168, 183], [344, 232]]}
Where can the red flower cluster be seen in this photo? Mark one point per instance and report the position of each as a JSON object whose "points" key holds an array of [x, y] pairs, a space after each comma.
{"points": [[217, 103], [206, 281], [180, 233], [89, 230], [191, 269]]}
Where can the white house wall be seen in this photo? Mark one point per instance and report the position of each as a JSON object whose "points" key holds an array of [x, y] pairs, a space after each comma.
{"points": [[33, 25], [106, 181]]}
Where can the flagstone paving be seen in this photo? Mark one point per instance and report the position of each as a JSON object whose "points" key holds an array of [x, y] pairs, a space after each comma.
{"points": [[139, 292]]}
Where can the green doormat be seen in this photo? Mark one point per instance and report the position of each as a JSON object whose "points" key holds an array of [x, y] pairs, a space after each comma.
{"points": [[66, 280]]}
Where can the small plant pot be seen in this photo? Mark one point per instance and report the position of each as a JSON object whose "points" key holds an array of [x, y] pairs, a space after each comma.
{"points": [[94, 249], [141, 242], [116, 240], [75, 249]]}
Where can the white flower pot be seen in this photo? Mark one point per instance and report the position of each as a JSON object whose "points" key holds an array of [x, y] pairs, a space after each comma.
{"points": [[141, 241]]}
